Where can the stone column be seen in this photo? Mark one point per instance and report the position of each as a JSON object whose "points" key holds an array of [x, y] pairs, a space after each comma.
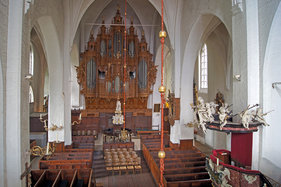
{"points": [[14, 136], [246, 89], [67, 75], [239, 38], [253, 69], [175, 130]]}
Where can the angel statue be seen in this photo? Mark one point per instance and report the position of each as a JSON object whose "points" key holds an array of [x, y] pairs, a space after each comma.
{"points": [[213, 107], [202, 114], [209, 112], [246, 117], [259, 116], [223, 116]]}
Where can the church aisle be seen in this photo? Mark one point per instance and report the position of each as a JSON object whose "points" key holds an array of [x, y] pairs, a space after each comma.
{"points": [[132, 180]]}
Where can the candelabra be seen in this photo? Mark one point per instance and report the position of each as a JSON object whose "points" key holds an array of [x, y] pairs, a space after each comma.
{"points": [[52, 128], [44, 121], [45, 151]]}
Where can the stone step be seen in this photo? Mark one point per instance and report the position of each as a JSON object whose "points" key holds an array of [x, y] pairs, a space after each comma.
{"points": [[101, 174], [99, 167], [99, 161]]}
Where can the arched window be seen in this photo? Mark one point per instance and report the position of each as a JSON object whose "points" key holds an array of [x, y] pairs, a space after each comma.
{"points": [[203, 69], [31, 96], [31, 60]]}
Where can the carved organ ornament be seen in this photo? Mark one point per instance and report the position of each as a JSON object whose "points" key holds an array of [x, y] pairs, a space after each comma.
{"points": [[100, 73]]}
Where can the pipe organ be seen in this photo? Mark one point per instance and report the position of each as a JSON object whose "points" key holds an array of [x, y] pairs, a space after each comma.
{"points": [[101, 70]]}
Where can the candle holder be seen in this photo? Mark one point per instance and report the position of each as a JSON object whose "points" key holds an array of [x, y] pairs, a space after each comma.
{"points": [[54, 127], [44, 121], [45, 151], [79, 120]]}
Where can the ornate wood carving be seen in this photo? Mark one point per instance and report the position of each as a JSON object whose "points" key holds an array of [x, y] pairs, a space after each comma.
{"points": [[174, 108], [100, 73]]}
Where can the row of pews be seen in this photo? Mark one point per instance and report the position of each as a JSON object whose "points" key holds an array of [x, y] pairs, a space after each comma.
{"points": [[181, 167], [67, 160], [62, 178], [68, 166]]}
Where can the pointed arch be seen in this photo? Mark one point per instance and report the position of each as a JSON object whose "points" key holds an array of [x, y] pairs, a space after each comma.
{"points": [[201, 30], [55, 65]]}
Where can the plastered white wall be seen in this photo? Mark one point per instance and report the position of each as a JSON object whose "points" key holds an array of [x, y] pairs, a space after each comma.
{"points": [[270, 161], [74, 84]]}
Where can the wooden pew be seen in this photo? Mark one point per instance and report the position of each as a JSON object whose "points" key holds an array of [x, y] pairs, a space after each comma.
{"points": [[84, 178], [83, 142], [182, 167], [118, 145], [44, 177], [67, 160], [186, 176], [189, 183], [62, 178], [181, 160], [173, 170]]}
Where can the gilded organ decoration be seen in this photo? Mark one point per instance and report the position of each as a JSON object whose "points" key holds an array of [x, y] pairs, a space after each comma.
{"points": [[101, 69]]}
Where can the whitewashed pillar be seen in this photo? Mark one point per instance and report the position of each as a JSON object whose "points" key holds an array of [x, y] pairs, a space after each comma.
{"points": [[14, 161], [253, 69], [67, 76], [246, 91]]}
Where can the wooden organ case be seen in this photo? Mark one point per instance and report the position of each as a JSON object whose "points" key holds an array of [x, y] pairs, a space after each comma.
{"points": [[101, 76]]}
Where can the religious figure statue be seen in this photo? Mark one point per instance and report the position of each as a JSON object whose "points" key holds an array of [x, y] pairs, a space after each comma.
{"points": [[259, 116], [118, 118], [223, 116], [209, 112], [202, 114], [118, 106], [219, 100], [213, 107], [246, 117]]}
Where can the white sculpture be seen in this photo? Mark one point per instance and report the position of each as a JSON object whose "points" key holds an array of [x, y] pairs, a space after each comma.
{"points": [[211, 164], [209, 112], [213, 107], [118, 106], [223, 117], [259, 116], [202, 114], [118, 118], [246, 117], [250, 178], [225, 173], [226, 106]]}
